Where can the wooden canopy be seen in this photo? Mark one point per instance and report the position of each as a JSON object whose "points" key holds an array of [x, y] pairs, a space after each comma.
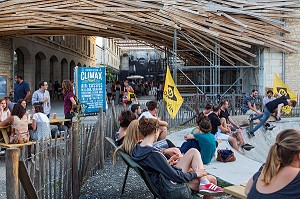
{"points": [[235, 25]]}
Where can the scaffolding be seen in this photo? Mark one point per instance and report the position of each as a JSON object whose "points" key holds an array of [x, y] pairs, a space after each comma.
{"points": [[209, 80]]}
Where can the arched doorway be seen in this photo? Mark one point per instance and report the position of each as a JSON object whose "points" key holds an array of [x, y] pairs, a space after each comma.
{"points": [[54, 66], [72, 66], [40, 59], [79, 64], [64, 69], [21, 59]]}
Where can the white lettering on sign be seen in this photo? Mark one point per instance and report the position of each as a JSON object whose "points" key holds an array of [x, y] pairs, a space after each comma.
{"points": [[90, 76]]}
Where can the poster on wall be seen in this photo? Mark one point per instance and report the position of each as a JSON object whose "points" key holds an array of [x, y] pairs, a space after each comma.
{"points": [[3, 85], [90, 89]]}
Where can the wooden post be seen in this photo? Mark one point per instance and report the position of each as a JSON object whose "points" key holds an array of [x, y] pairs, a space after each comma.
{"points": [[12, 173], [75, 179], [102, 141]]}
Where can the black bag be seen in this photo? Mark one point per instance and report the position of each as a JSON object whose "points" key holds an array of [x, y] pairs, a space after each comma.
{"points": [[225, 155], [173, 190]]}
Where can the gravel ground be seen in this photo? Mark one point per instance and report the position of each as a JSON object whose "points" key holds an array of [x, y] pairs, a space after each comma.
{"points": [[107, 183]]}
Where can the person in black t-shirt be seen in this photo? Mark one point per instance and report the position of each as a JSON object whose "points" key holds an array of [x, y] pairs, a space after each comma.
{"points": [[268, 109], [236, 130], [220, 132]]}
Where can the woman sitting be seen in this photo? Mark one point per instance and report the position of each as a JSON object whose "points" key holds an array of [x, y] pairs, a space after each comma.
{"points": [[155, 162], [4, 111], [19, 124], [40, 124], [125, 118], [201, 139], [280, 176]]}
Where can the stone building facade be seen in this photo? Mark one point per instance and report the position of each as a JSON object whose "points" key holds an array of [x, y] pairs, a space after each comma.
{"points": [[44, 58]]}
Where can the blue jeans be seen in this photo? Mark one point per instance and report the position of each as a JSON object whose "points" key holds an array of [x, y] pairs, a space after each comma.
{"points": [[265, 116], [188, 145]]}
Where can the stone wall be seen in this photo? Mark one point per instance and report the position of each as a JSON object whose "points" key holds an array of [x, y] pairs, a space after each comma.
{"points": [[292, 69], [6, 61]]}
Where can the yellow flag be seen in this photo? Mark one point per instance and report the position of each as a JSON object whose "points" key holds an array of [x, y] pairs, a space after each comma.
{"points": [[171, 95], [281, 88]]}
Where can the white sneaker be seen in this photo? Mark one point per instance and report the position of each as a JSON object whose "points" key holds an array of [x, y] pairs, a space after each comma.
{"points": [[2, 152]]}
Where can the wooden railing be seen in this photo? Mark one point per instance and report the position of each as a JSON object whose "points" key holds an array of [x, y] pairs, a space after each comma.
{"points": [[58, 167]]}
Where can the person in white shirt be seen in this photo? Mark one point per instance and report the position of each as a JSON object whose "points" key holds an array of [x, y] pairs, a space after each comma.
{"points": [[268, 98], [152, 113]]}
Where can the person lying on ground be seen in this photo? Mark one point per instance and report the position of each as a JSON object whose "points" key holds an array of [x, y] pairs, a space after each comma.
{"points": [[236, 130], [202, 140], [268, 109], [152, 113], [124, 118], [279, 177], [191, 167], [220, 132]]}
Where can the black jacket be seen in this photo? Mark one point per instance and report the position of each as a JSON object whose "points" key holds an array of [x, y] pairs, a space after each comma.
{"points": [[154, 162]]}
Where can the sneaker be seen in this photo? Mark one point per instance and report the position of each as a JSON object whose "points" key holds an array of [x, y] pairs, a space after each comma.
{"points": [[270, 127], [210, 188], [247, 147], [250, 134]]}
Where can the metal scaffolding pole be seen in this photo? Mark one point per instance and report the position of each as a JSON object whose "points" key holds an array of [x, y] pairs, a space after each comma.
{"points": [[175, 56]]}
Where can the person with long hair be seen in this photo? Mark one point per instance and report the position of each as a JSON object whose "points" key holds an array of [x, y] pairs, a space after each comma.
{"points": [[19, 123], [279, 177], [125, 119], [69, 101], [40, 123], [191, 169], [4, 111]]}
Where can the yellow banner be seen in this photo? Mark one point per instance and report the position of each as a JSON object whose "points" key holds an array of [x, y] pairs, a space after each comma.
{"points": [[282, 89], [171, 95]]}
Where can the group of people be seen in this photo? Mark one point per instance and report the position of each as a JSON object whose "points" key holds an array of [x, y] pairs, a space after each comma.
{"points": [[15, 113], [271, 106]]}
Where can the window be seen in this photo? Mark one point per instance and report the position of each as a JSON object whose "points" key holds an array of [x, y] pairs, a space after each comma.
{"points": [[89, 48]]}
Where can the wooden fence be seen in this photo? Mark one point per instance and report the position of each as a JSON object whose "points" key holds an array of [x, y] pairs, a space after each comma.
{"points": [[57, 168]]}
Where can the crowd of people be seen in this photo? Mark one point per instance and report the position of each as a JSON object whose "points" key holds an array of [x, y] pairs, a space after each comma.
{"points": [[142, 135]]}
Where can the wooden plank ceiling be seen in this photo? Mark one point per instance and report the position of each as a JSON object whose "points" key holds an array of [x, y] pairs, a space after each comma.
{"points": [[236, 25]]}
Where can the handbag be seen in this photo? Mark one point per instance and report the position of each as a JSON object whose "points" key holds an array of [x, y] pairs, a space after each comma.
{"points": [[173, 190], [225, 155], [131, 96]]}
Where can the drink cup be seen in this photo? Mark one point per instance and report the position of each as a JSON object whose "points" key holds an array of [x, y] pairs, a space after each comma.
{"points": [[54, 115]]}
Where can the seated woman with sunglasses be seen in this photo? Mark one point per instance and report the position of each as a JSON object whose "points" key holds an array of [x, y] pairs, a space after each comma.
{"points": [[191, 169]]}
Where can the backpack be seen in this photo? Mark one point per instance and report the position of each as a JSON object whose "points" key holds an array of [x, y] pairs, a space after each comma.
{"points": [[78, 106]]}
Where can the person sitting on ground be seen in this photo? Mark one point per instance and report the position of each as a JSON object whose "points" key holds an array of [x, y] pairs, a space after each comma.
{"points": [[201, 139], [152, 113], [40, 128], [249, 106], [268, 98], [268, 109], [155, 162], [220, 132], [207, 110], [279, 177], [125, 118], [136, 109], [228, 122], [19, 124]]}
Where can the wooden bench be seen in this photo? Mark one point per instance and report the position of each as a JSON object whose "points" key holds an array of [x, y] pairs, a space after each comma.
{"points": [[236, 190], [4, 145]]}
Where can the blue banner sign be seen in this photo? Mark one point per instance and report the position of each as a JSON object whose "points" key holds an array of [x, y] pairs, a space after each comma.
{"points": [[90, 88]]}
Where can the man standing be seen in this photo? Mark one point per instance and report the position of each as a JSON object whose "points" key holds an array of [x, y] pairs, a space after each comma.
{"points": [[21, 89], [268, 109], [42, 96], [108, 90], [152, 113], [249, 106], [228, 122]]}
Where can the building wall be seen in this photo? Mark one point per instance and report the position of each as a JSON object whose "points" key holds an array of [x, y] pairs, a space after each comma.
{"points": [[107, 53], [66, 52], [5, 65], [292, 60]]}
